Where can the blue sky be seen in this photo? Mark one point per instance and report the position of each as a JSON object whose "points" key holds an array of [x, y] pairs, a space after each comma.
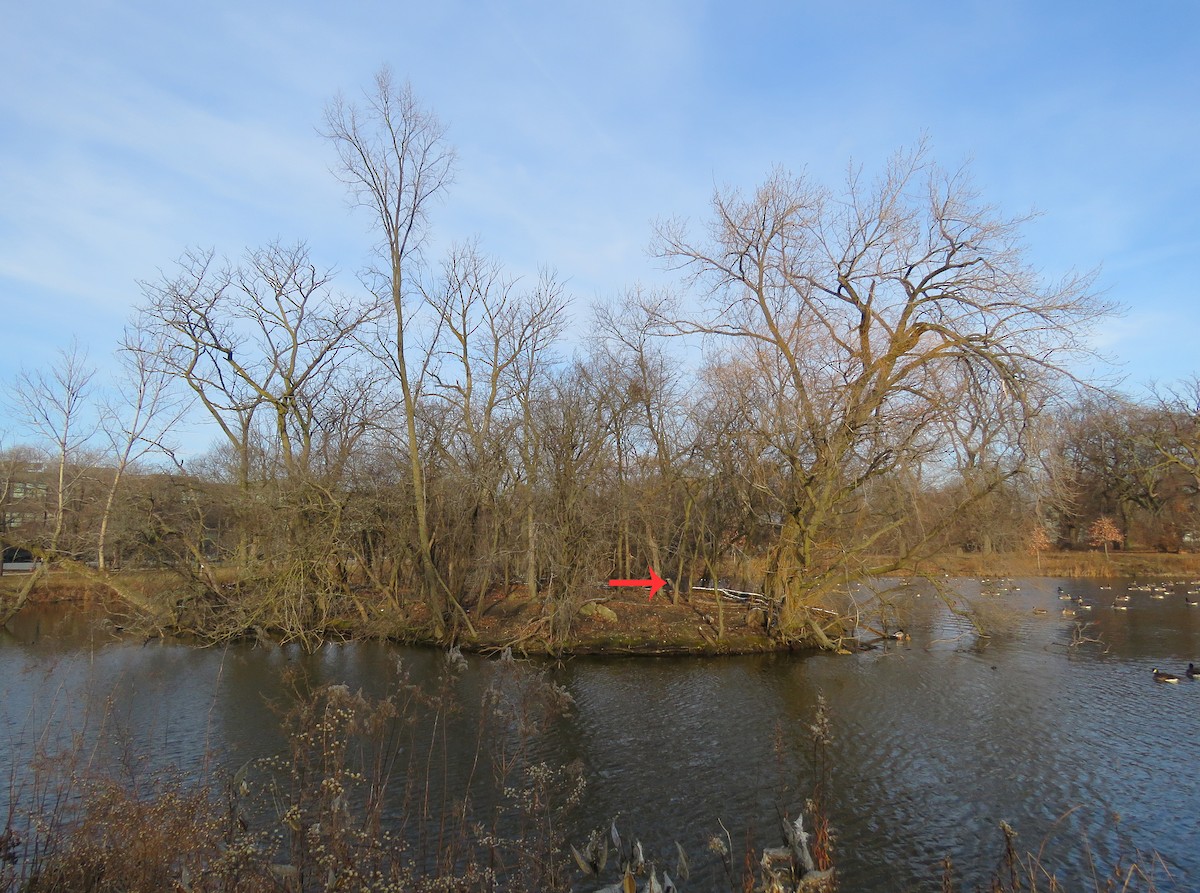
{"points": [[132, 131]]}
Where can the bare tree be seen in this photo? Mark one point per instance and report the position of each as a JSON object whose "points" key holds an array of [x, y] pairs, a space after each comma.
{"points": [[395, 160], [268, 334], [54, 404], [649, 418], [270, 351], [188, 313], [529, 378], [1119, 457], [575, 526], [137, 419], [487, 323], [1176, 439], [888, 327]]}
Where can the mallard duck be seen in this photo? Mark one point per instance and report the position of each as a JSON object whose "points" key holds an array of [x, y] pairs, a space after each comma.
{"points": [[1161, 676], [1191, 672]]}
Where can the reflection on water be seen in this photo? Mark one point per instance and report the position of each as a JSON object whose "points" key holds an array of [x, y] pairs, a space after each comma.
{"points": [[936, 740]]}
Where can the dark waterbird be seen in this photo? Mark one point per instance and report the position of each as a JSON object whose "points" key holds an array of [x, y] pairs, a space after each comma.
{"points": [[1162, 676]]}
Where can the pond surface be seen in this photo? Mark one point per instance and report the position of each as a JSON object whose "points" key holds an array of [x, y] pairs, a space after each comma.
{"points": [[1057, 729]]}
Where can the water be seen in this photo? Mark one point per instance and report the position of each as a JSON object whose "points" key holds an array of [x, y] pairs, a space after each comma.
{"points": [[935, 740]]}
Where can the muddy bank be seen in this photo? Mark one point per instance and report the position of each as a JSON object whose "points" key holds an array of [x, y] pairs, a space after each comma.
{"points": [[621, 622]]}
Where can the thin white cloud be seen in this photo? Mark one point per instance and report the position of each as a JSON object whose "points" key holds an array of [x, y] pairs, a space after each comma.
{"points": [[133, 130]]}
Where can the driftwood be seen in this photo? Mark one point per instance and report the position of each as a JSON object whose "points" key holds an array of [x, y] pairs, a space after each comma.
{"points": [[791, 867]]}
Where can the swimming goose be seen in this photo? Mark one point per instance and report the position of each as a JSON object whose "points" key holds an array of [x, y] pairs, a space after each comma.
{"points": [[1160, 676], [1192, 672]]}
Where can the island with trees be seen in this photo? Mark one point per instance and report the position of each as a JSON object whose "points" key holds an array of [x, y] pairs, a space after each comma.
{"points": [[847, 382]]}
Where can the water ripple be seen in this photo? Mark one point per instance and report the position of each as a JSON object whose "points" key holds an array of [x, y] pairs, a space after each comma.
{"points": [[935, 741]]}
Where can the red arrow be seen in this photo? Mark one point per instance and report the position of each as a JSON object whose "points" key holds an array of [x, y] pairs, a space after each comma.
{"points": [[655, 582]]}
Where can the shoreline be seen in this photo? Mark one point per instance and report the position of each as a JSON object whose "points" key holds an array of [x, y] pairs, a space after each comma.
{"points": [[614, 622]]}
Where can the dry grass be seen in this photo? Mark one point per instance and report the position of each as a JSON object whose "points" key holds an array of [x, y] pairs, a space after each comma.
{"points": [[355, 802], [1067, 564], [1020, 871]]}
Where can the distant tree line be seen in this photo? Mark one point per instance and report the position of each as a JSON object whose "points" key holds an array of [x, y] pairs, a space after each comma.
{"points": [[846, 381]]}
